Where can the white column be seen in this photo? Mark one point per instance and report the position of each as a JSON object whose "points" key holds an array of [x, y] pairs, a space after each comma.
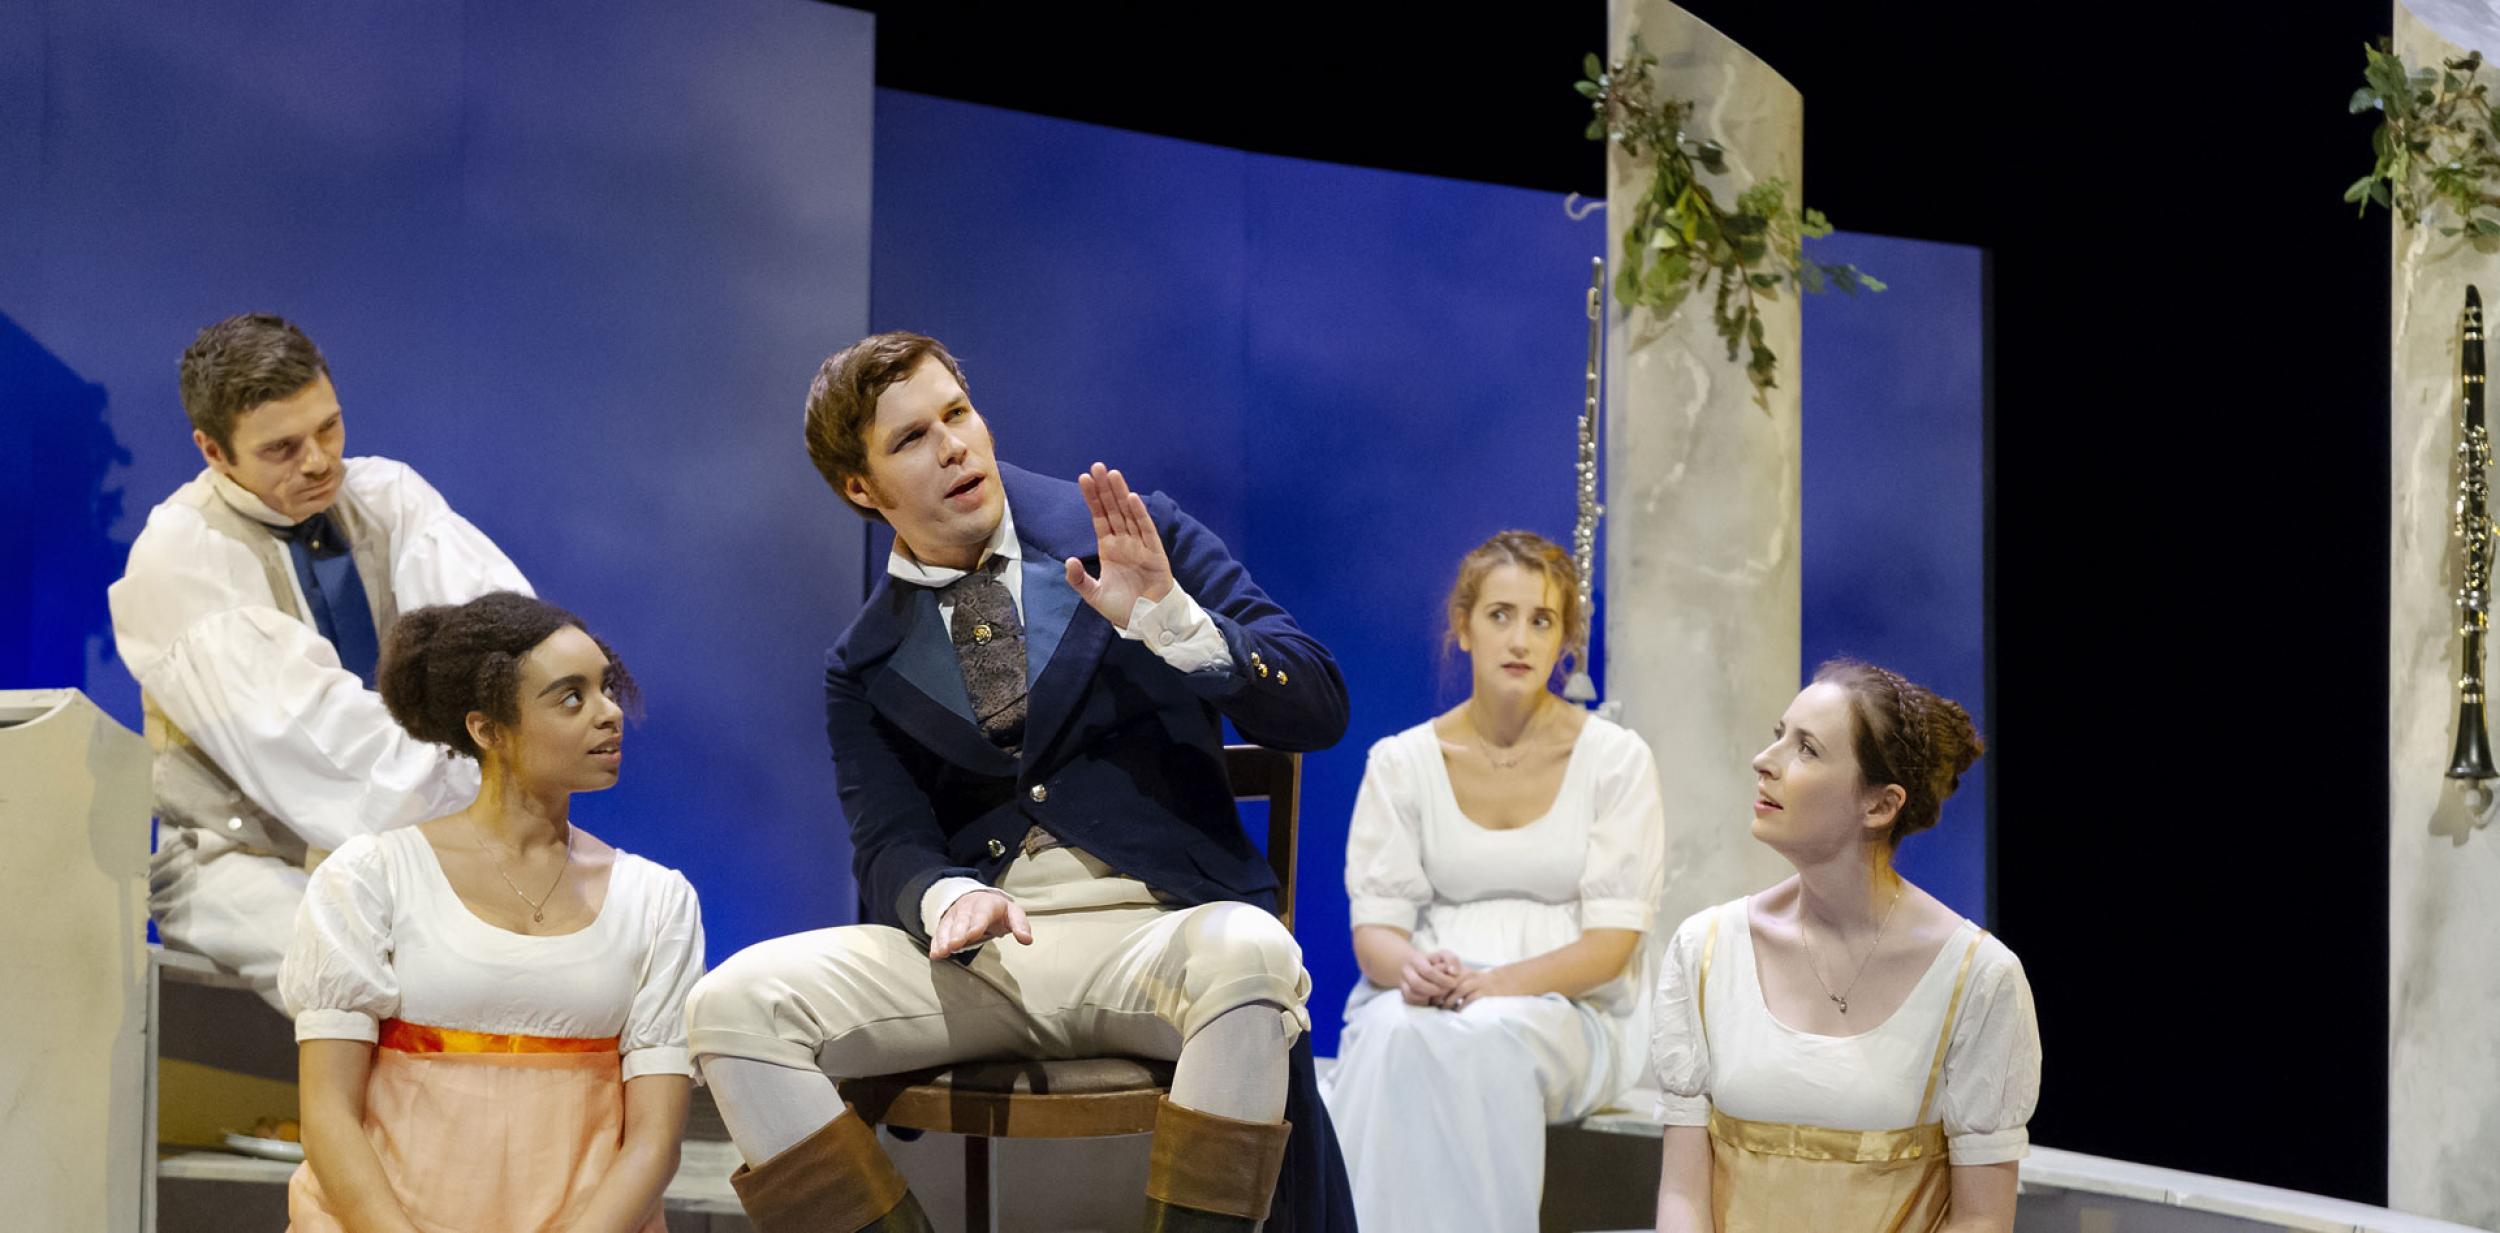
{"points": [[1701, 490], [74, 803], [2443, 993]]}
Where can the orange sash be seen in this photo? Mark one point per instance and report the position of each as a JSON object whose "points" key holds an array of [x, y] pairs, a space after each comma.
{"points": [[418, 1038]]}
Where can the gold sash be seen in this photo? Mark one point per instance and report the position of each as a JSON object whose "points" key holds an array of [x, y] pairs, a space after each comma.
{"points": [[1772, 1177]]}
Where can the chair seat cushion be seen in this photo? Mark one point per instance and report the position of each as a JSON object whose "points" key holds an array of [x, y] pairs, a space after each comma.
{"points": [[1062, 1077], [1073, 1098]]}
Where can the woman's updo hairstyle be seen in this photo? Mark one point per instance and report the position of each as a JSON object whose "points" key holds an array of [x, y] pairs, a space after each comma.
{"points": [[1906, 734], [1536, 554], [444, 661]]}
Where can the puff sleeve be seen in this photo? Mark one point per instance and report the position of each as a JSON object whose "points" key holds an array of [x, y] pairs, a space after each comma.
{"points": [[336, 980], [1627, 857], [1679, 1048], [654, 1040], [437, 556], [1992, 1068], [1384, 868]]}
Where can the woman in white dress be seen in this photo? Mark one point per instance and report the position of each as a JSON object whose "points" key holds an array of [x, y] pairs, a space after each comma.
{"points": [[1504, 861], [1842, 1052], [490, 1006]]}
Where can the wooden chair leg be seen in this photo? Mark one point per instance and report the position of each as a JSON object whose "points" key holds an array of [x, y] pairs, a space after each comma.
{"points": [[980, 1186]]}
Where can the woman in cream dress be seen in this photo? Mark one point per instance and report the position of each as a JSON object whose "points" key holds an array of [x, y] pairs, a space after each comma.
{"points": [[1842, 1052], [490, 1006], [1504, 861]]}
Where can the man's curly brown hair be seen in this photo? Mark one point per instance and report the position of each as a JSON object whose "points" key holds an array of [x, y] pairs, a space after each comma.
{"points": [[444, 661]]}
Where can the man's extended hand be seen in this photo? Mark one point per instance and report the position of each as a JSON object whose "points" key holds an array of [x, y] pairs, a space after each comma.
{"points": [[978, 917], [1128, 551]]}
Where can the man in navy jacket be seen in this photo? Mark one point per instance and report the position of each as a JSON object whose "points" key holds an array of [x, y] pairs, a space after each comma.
{"points": [[1027, 723]]}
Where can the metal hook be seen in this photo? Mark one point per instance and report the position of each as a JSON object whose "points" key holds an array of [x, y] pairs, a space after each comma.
{"points": [[1577, 207]]}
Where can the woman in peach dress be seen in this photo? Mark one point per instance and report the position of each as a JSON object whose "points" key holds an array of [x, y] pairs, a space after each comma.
{"points": [[490, 1006]]}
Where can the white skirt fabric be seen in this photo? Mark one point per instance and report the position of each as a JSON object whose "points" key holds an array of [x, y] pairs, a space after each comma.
{"points": [[1442, 1114]]}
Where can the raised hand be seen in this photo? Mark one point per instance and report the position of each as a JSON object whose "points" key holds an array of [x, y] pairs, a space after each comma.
{"points": [[1128, 551], [978, 917]]}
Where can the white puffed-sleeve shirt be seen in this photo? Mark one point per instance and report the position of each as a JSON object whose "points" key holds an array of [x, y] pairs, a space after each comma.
{"points": [[261, 693], [1752, 1066], [382, 935]]}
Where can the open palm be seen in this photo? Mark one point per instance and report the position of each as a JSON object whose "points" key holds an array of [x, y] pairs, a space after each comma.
{"points": [[1128, 552]]}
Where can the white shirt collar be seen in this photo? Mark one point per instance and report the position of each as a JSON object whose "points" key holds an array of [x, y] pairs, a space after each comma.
{"points": [[244, 502], [907, 568]]}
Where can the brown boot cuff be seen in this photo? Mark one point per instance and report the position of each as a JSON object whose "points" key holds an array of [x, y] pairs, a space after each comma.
{"points": [[836, 1180], [1215, 1164]]}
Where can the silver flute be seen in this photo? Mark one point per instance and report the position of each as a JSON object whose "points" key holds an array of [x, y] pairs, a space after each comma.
{"points": [[1580, 688]]}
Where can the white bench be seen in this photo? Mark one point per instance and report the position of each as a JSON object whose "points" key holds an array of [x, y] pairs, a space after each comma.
{"points": [[2071, 1191]]}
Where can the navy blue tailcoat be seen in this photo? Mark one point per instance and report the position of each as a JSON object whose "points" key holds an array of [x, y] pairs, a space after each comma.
{"points": [[1123, 755]]}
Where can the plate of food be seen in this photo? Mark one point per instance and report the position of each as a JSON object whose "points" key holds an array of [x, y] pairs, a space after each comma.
{"points": [[270, 1139]]}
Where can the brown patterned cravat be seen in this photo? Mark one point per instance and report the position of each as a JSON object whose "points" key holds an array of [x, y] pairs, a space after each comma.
{"points": [[989, 644]]}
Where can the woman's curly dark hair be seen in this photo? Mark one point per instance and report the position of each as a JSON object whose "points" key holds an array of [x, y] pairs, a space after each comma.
{"points": [[444, 661], [1907, 734]]}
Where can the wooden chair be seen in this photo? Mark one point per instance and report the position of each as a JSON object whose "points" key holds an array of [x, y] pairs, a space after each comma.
{"points": [[1075, 1098]]}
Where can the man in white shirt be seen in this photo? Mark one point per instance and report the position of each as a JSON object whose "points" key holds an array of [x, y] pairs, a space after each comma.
{"points": [[252, 612]]}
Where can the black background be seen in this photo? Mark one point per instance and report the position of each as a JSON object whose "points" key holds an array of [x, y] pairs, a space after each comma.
{"points": [[2189, 450]]}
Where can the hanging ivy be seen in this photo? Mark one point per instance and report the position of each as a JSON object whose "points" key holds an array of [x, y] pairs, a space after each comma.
{"points": [[1681, 238], [2437, 145]]}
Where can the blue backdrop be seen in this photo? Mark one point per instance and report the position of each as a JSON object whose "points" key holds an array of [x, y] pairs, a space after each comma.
{"points": [[574, 262], [1895, 519], [578, 272], [1354, 376]]}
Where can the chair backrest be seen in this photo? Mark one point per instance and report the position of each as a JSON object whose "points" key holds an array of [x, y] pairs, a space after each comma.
{"points": [[1262, 774]]}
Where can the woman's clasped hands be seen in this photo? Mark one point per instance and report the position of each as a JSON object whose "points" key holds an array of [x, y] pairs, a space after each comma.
{"points": [[1439, 978]]}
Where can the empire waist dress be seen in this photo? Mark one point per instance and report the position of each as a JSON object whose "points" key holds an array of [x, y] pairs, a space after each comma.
{"points": [[496, 1098], [1844, 1134], [1443, 1113]]}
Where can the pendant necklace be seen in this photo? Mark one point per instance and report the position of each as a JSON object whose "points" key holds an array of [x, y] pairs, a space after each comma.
{"points": [[1841, 999], [1485, 747], [538, 907]]}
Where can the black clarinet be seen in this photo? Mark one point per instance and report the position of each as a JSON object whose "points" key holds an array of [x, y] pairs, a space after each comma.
{"points": [[2472, 761]]}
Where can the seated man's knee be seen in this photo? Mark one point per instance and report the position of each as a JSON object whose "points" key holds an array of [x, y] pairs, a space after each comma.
{"points": [[771, 979], [726, 992], [1238, 940]]}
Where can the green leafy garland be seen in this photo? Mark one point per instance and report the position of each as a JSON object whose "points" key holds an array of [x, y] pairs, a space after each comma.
{"points": [[2438, 145], [1679, 237]]}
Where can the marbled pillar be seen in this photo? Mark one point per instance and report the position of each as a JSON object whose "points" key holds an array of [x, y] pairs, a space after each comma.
{"points": [[2443, 1055], [1701, 490]]}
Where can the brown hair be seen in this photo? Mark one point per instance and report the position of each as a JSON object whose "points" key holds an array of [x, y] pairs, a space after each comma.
{"points": [[240, 363], [842, 402], [1536, 554], [443, 661], [1906, 734]]}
